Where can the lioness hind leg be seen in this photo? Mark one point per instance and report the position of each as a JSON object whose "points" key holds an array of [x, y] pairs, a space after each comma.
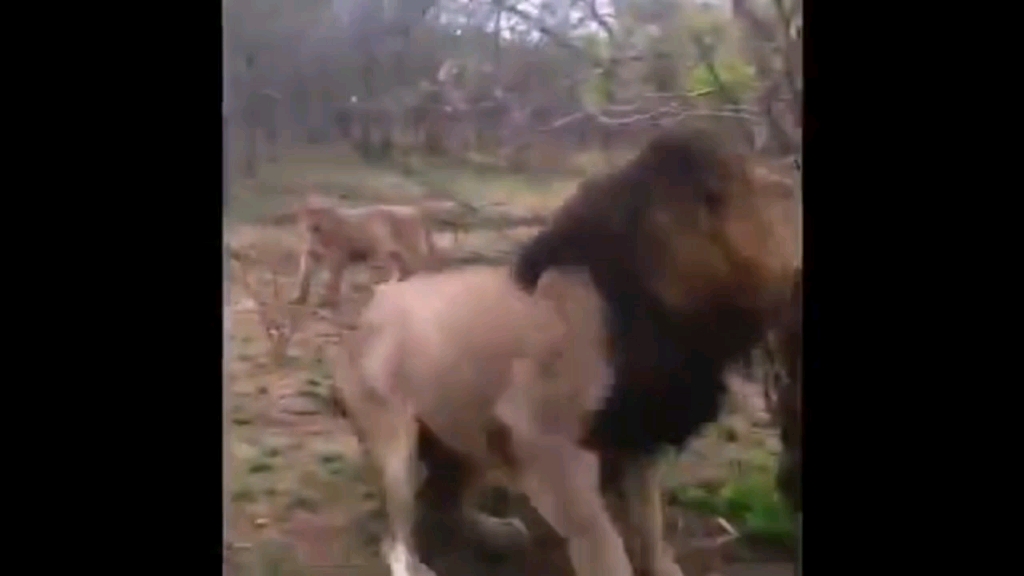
{"points": [[390, 436], [307, 265], [496, 534], [332, 291], [563, 484], [385, 424], [448, 491]]}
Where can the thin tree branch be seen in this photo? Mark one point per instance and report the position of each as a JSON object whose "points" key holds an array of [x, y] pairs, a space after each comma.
{"points": [[548, 32], [600, 20]]}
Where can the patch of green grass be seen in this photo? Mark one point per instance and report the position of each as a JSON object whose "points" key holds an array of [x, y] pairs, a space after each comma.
{"points": [[270, 451], [277, 558], [330, 490], [240, 416], [303, 501], [260, 466], [264, 461], [322, 372], [749, 501], [291, 361], [244, 494], [335, 465], [320, 397]]}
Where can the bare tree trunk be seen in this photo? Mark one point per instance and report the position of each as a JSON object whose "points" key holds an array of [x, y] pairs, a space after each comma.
{"points": [[327, 104], [251, 150], [225, 195], [497, 43], [781, 137], [315, 119]]}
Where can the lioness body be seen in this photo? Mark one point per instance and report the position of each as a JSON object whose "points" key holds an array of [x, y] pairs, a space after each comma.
{"points": [[395, 236], [504, 381], [446, 214]]}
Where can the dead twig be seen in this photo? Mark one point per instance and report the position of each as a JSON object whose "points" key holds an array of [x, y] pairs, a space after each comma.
{"points": [[280, 320], [600, 19], [665, 116]]}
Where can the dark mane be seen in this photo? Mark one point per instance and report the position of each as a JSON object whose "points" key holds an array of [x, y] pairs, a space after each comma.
{"points": [[689, 169], [669, 360]]}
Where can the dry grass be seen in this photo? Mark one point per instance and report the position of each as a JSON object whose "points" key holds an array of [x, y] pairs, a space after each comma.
{"points": [[300, 503]]}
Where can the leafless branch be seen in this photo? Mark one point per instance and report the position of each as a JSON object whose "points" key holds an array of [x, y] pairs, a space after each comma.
{"points": [[709, 113], [665, 116], [600, 19], [548, 32], [787, 51], [499, 11], [563, 121], [766, 32]]}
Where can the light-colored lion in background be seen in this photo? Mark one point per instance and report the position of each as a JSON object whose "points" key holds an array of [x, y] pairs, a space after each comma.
{"points": [[396, 237]]}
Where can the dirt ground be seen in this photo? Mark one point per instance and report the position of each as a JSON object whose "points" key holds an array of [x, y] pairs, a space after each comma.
{"points": [[300, 500]]}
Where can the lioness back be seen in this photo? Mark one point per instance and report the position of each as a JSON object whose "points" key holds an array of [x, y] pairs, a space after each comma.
{"points": [[452, 337]]}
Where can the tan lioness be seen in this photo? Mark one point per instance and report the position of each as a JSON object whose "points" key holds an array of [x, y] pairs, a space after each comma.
{"points": [[395, 236], [464, 363]]}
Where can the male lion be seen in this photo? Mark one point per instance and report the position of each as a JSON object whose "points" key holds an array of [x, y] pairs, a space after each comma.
{"points": [[467, 373], [694, 252], [394, 235]]}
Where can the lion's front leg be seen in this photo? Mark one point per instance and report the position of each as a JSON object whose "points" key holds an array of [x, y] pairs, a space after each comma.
{"points": [[332, 293], [562, 482], [642, 489], [398, 266]]}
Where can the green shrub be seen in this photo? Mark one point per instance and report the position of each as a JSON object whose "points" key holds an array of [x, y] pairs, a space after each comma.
{"points": [[737, 77], [597, 92], [750, 502]]}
